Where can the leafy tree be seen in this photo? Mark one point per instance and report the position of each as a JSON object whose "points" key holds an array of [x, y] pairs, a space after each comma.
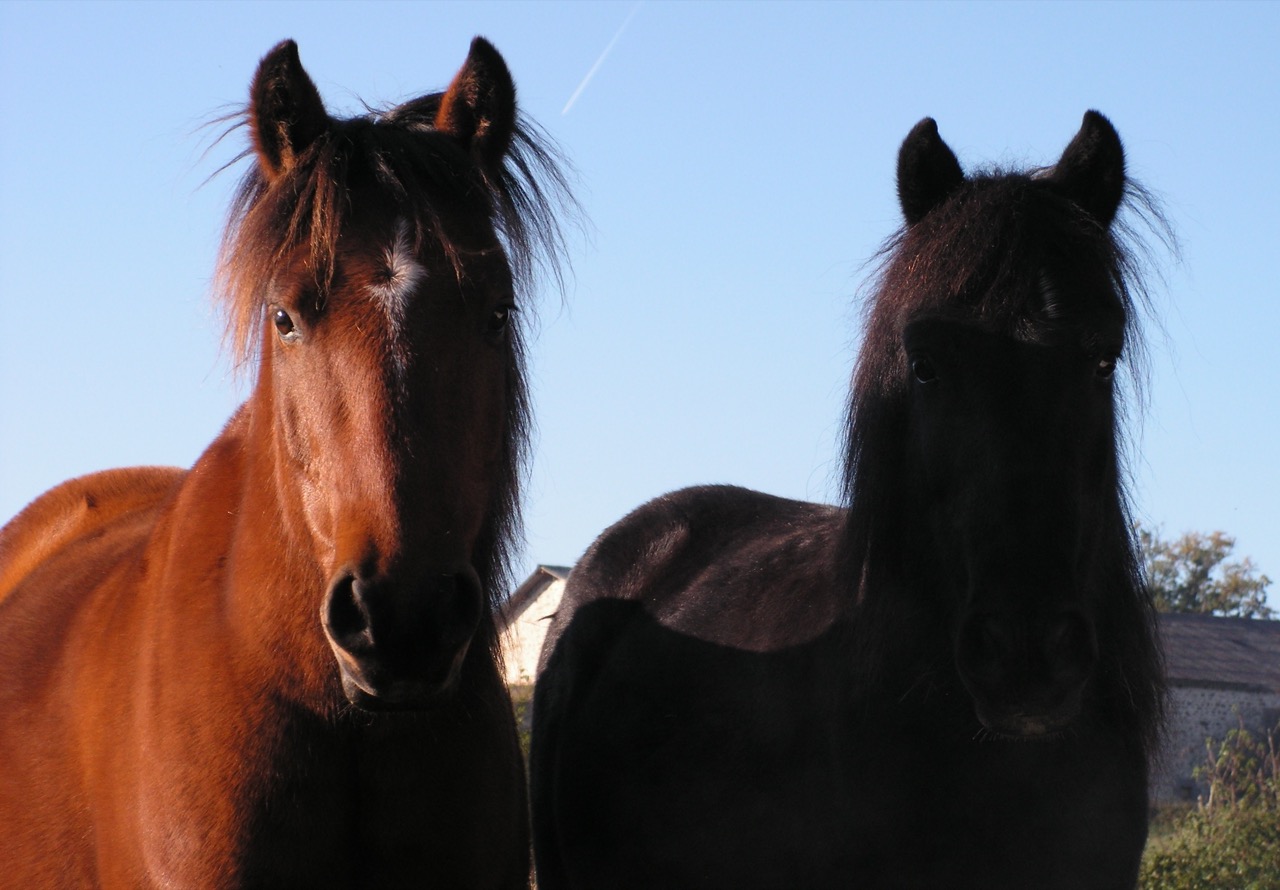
{"points": [[1193, 574]]}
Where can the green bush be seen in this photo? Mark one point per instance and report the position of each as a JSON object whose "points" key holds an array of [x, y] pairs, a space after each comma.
{"points": [[1231, 840], [1236, 849]]}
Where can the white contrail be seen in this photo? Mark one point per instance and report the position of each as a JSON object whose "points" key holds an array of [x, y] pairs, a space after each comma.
{"points": [[600, 61]]}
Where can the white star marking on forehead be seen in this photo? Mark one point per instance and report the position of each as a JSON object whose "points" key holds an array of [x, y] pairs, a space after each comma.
{"points": [[403, 274]]}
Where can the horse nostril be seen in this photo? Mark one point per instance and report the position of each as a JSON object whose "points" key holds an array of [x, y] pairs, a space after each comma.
{"points": [[401, 639], [1070, 648], [346, 615], [984, 645]]}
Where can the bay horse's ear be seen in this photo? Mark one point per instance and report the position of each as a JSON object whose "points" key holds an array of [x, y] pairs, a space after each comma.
{"points": [[286, 114], [1091, 170], [927, 171], [479, 108]]}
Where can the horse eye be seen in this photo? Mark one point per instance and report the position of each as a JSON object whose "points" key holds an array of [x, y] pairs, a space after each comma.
{"points": [[499, 318], [284, 324], [1106, 367], [923, 369]]}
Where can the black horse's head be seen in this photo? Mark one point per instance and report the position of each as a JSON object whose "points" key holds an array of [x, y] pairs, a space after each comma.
{"points": [[984, 470]]}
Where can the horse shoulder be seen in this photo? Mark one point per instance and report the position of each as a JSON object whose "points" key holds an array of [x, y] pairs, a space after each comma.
{"points": [[55, 559], [76, 510]]}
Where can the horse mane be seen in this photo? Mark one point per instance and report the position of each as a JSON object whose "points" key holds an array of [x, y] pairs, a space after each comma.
{"points": [[978, 256], [398, 152]]}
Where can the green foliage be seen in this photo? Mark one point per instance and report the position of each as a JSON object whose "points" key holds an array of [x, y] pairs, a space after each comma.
{"points": [[1231, 840], [1235, 850], [1193, 574], [1242, 772]]}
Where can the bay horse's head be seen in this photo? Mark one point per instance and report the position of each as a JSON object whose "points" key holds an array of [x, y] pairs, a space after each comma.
{"points": [[372, 267], [985, 420]]}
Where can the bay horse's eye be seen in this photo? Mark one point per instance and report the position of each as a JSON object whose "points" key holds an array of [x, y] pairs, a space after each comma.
{"points": [[923, 369], [284, 324], [499, 319], [1106, 367]]}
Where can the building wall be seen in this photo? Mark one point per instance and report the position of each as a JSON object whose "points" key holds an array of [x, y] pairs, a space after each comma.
{"points": [[522, 640], [1197, 713]]}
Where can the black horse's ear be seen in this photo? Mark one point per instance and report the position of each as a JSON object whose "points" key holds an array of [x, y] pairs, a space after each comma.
{"points": [[928, 171], [479, 108], [286, 114], [1091, 170]]}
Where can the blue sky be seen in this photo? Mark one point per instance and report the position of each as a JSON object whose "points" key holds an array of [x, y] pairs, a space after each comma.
{"points": [[736, 162]]}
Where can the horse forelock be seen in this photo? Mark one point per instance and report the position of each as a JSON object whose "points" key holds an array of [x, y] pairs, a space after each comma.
{"points": [[984, 256]]}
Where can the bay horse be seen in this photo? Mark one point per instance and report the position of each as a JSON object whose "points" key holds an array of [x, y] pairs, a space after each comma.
{"points": [[278, 668], [954, 681]]}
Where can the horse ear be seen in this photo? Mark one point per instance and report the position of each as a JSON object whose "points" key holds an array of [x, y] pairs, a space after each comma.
{"points": [[1091, 170], [479, 108], [927, 171], [286, 113]]}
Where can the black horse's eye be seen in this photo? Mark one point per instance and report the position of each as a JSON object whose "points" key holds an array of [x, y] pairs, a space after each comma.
{"points": [[284, 324], [923, 369], [499, 319], [1106, 367]]}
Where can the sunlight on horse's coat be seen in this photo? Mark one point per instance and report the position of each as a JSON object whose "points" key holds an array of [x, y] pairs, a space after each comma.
{"points": [[280, 667]]}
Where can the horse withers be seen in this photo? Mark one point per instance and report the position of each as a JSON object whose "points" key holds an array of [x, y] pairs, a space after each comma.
{"points": [[952, 682], [278, 667]]}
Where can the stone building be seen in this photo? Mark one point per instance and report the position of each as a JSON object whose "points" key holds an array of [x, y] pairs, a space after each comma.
{"points": [[524, 619], [1222, 672]]}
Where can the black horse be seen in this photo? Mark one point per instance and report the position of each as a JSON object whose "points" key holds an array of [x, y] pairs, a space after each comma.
{"points": [[956, 681]]}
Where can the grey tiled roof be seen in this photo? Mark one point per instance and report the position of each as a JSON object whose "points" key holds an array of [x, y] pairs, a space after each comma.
{"points": [[1226, 653]]}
